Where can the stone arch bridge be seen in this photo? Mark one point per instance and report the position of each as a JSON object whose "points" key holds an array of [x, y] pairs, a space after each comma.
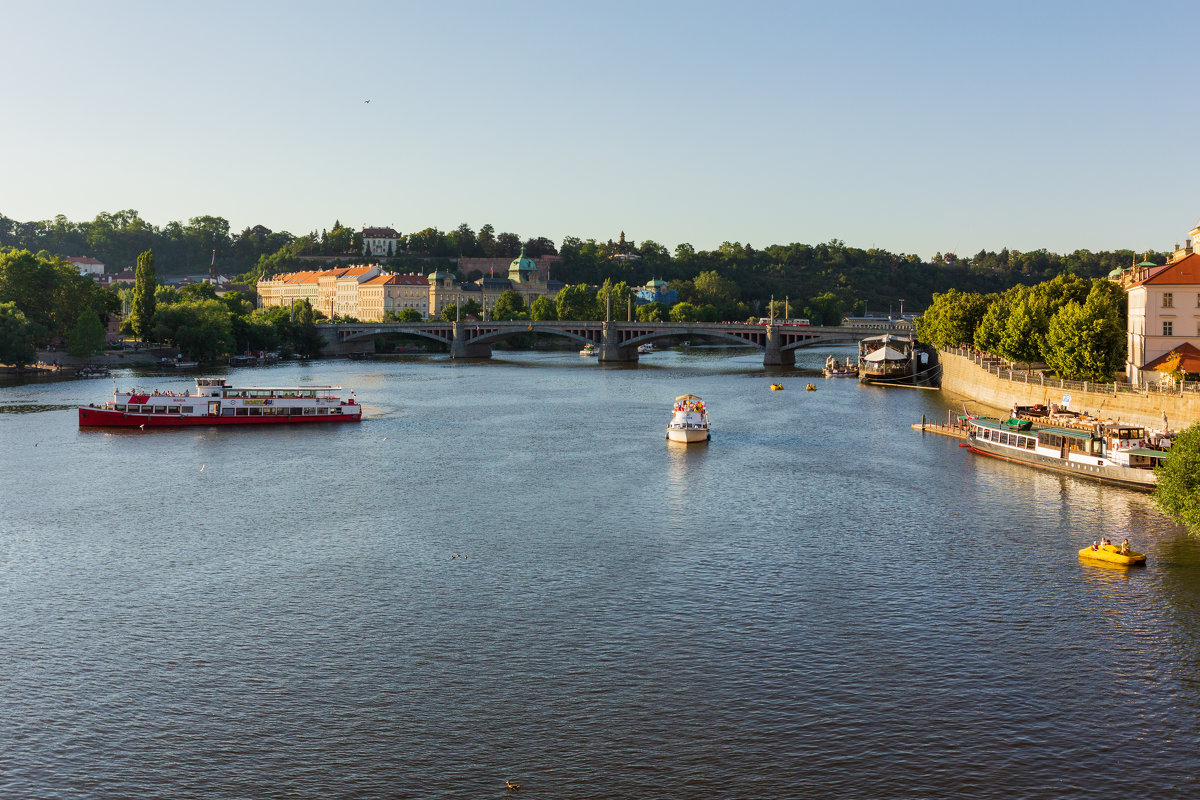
{"points": [[614, 341]]}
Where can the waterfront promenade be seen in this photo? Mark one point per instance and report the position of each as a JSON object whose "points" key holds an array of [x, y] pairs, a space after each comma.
{"points": [[983, 380]]}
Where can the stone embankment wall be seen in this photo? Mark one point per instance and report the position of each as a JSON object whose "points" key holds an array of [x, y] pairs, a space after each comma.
{"points": [[963, 377]]}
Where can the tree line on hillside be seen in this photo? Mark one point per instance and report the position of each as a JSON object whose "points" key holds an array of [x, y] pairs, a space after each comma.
{"points": [[45, 301], [1073, 325], [862, 280]]}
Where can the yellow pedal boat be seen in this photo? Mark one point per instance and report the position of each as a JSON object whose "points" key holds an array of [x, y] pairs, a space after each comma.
{"points": [[775, 387], [1112, 554], [810, 388]]}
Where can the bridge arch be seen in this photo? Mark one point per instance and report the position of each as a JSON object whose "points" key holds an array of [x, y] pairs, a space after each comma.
{"points": [[491, 337], [372, 334]]}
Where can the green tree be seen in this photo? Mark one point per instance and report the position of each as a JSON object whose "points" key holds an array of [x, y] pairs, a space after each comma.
{"points": [[201, 328], [1087, 342], [824, 309], [508, 305], [576, 302], [472, 308], [652, 312], [952, 318], [17, 336], [199, 291], [144, 286], [991, 327], [450, 312], [86, 337], [684, 312], [1178, 489], [543, 309], [613, 298], [1025, 330], [409, 315]]}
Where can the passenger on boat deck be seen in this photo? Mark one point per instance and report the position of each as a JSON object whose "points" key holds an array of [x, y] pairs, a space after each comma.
{"points": [[1125, 547], [1095, 546], [1104, 542]]}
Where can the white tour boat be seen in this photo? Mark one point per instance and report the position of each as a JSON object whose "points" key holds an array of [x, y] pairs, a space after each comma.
{"points": [[216, 403], [1110, 453], [690, 420], [589, 349]]}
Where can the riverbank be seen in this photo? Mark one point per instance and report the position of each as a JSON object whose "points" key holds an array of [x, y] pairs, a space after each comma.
{"points": [[966, 379]]}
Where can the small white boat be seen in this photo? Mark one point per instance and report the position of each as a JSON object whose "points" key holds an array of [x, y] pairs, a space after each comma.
{"points": [[645, 348], [690, 420], [589, 349]]}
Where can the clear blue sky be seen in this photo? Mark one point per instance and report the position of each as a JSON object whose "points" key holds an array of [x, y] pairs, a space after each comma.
{"points": [[911, 126]]}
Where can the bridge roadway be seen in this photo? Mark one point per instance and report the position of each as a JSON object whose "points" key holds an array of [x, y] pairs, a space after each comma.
{"points": [[615, 341]]}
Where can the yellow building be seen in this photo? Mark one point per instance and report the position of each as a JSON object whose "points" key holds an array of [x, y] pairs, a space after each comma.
{"points": [[361, 292]]}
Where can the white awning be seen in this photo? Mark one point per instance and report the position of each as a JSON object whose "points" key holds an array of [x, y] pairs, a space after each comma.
{"points": [[885, 354]]}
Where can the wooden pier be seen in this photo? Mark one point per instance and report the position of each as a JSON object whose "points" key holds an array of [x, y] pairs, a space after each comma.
{"points": [[949, 428]]}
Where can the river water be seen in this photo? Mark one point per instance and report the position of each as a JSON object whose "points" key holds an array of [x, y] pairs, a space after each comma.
{"points": [[821, 602]]}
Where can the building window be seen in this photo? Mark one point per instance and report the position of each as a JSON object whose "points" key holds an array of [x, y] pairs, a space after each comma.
{"points": [[1168, 300], [1168, 329]]}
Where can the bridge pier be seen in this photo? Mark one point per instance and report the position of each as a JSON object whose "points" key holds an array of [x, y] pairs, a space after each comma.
{"points": [[610, 350], [773, 356], [461, 348]]}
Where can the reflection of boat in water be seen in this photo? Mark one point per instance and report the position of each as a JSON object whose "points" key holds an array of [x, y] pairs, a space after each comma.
{"points": [[1109, 453], [899, 361], [1112, 554], [589, 349], [835, 370], [690, 420]]}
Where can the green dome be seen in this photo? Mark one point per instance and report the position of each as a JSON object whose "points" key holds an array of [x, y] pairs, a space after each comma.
{"points": [[1147, 264], [656, 283], [522, 269], [439, 275], [1116, 273]]}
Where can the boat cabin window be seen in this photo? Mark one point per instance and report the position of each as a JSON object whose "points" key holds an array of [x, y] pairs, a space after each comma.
{"points": [[188, 409], [226, 412], [119, 406]]}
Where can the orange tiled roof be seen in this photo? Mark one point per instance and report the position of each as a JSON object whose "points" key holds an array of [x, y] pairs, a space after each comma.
{"points": [[1189, 358], [1184, 271]]}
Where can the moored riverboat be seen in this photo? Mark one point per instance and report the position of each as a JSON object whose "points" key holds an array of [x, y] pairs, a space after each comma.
{"points": [[1108, 453], [898, 361], [689, 422], [215, 402]]}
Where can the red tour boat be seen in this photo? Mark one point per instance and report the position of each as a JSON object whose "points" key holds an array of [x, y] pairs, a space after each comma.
{"points": [[216, 403]]}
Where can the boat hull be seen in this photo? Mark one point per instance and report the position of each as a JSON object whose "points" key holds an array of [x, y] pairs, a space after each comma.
{"points": [[687, 435], [1129, 477], [1111, 555], [105, 418]]}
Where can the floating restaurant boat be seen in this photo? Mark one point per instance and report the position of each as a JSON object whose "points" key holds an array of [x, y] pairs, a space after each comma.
{"points": [[898, 361], [1109, 453], [589, 349], [217, 403], [690, 421], [1113, 555]]}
